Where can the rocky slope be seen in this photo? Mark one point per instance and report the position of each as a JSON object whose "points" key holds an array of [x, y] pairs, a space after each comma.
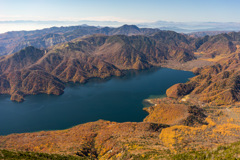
{"points": [[218, 84], [218, 45], [20, 59]]}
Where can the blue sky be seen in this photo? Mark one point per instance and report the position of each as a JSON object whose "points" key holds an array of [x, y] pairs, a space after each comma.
{"points": [[122, 10]]}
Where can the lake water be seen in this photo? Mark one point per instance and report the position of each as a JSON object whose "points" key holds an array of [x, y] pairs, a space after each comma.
{"points": [[116, 99]]}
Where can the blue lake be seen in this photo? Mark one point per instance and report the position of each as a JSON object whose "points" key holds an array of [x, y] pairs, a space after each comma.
{"points": [[117, 99]]}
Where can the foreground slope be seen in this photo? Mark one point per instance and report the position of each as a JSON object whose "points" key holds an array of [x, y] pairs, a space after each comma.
{"points": [[97, 139], [222, 152]]}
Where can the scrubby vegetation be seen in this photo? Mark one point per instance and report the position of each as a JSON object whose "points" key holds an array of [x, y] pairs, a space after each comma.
{"points": [[228, 152], [6, 154], [225, 152]]}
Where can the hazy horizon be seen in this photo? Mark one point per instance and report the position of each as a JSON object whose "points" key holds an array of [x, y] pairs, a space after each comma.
{"points": [[181, 27], [116, 13]]}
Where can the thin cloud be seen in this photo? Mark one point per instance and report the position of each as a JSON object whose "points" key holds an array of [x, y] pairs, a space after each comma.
{"points": [[100, 18], [19, 17]]}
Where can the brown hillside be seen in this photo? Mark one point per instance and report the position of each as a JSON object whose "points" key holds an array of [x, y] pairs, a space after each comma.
{"points": [[217, 84], [82, 59], [102, 139], [171, 112]]}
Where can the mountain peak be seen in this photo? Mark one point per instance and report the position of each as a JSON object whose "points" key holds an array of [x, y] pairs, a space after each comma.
{"points": [[125, 26]]}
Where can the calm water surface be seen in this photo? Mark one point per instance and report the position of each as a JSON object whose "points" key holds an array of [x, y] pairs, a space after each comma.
{"points": [[116, 99]]}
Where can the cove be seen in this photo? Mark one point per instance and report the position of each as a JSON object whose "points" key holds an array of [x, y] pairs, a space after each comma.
{"points": [[117, 99]]}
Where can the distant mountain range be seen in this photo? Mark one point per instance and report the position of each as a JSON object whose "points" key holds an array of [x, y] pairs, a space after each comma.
{"points": [[180, 27], [206, 33], [187, 27], [11, 42]]}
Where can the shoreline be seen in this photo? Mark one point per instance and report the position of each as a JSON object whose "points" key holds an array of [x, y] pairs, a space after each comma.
{"points": [[149, 101], [147, 95]]}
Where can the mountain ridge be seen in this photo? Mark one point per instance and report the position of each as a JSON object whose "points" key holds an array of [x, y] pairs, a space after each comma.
{"points": [[104, 56], [11, 42], [84, 58]]}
